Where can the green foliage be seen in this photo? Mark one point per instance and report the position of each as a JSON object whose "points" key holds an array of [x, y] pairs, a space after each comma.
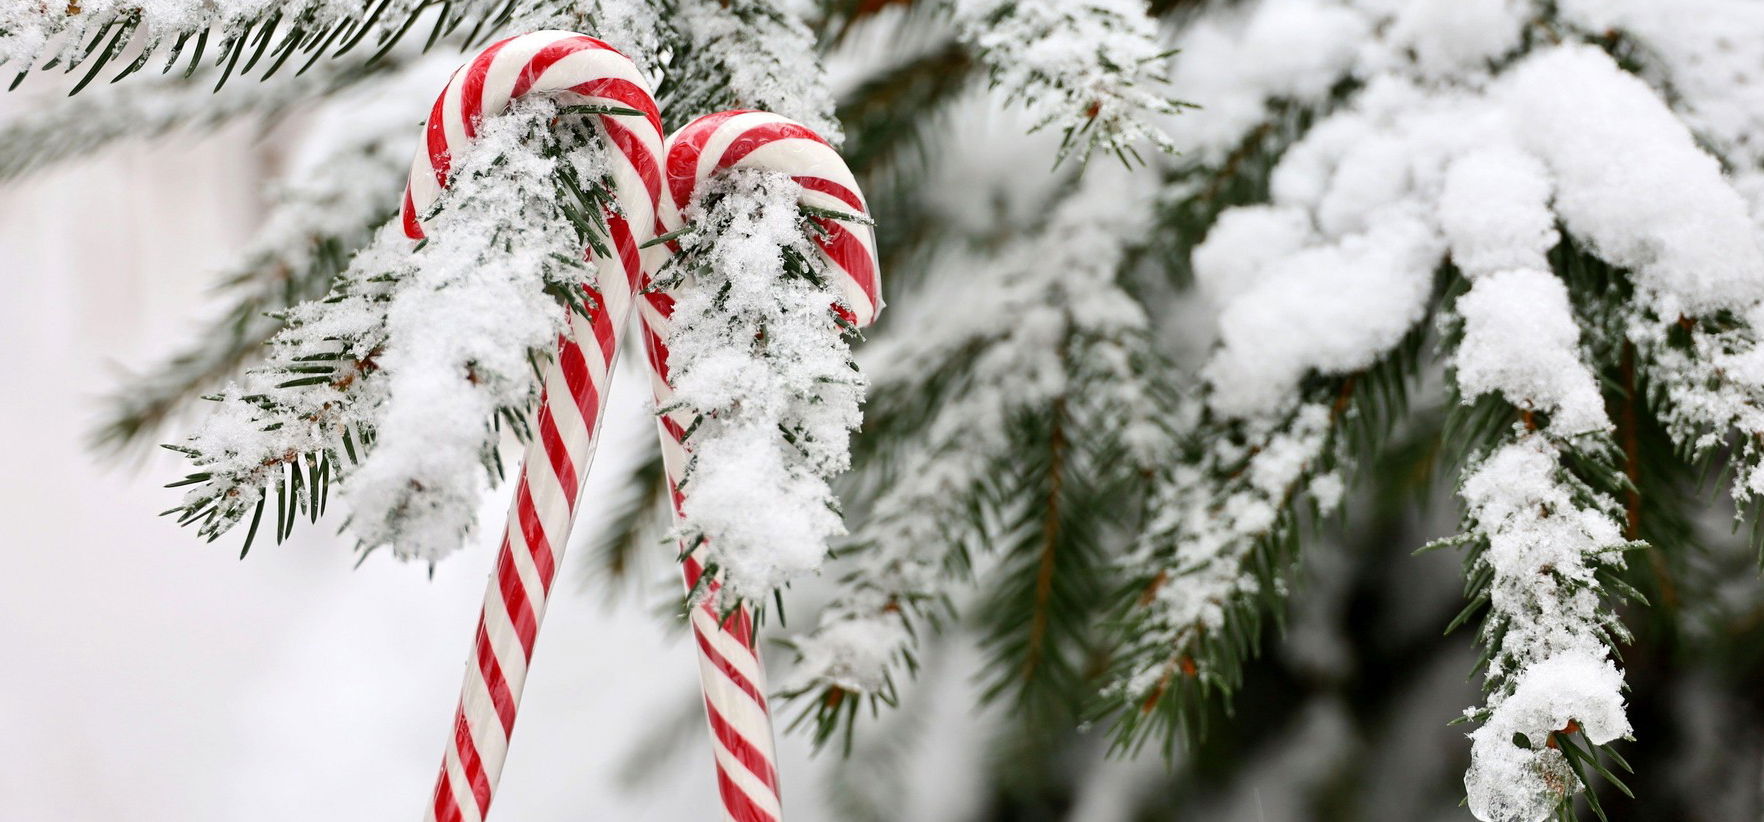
{"points": [[290, 34], [1063, 508], [259, 295], [894, 118], [319, 384], [1051, 528], [1204, 666]]}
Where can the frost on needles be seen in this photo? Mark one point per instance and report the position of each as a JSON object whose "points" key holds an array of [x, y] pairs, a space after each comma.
{"points": [[1556, 204], [763, 368], [1041, 325], [1499, 171], [1092, 70], [337, 188], [400, 380]]}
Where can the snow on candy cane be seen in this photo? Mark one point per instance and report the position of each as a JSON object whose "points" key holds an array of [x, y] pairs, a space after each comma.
{"points": [[578, 70], [729, 664], [584, 70]]}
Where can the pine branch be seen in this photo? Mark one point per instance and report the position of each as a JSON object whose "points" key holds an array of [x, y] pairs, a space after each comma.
{"points": [[838, 18], [339, 395], [152, 107], [893, 118], [1198, 192], [144, 402], [1213, 564], [321, 215], [1550, 624], [1074, 506], [1542, 479], [297, 34], [744, 54], [889, 113], [958, 483], [1101, 87]]}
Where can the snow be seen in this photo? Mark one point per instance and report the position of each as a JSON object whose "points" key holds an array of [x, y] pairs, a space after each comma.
{"points": [[1443, 153], [429, 344], [348, 170], [1508, 782], [459, 328], [853, 654], [1332, 308], [766, 58], [1408, 172], [1632, 182], [1702, 51], [1545, 538], [1203, 531], [1092, 69], [1520, 339], [1049, 288], [1278, 50], [1495, 211], [245, 443], [1541, 542], [1243, 244], [1456, 38], [755, 357]]}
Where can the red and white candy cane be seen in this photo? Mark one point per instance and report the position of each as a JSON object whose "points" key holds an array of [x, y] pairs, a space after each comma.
{"points": [[578, 70], [729, 664]]}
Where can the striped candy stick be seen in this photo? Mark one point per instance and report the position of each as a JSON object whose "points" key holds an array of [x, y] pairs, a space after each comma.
{"points": [[578, 70], [730, 671]]}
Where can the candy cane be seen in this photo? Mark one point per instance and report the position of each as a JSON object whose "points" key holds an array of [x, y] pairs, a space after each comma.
{"points": [[729, 665], [577, 69]]}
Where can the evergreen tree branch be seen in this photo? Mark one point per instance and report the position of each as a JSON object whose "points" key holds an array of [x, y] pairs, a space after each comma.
{"points": [[1101, 87], [324, 210], [744, 54], [322, 397], [1230, 512], [99, 33], [895, 118], [152, 107], [1063, 327]]}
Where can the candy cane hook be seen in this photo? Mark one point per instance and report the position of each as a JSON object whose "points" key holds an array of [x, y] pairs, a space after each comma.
{"points": [[578, 70], [730, 671]]}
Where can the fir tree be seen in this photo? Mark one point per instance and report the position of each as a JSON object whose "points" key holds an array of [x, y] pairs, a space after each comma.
{"points": [[1148, 369]]}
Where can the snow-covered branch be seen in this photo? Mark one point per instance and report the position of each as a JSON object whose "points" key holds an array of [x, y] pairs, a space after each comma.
{"points": [[748, 54], [1093, 70], [94, 34], [342, 183], [414, 353], [1055, 324], [1546, 549], [757, 360]]}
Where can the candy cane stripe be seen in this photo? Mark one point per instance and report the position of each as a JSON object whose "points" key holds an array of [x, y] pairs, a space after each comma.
{"points": [[579, 70], [741, 759], [653, 181], [513, 590], [729, 665], [738, 804], [553, 441]]}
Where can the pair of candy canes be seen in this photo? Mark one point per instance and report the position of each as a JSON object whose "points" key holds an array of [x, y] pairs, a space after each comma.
{"points": [[654, 181]]}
